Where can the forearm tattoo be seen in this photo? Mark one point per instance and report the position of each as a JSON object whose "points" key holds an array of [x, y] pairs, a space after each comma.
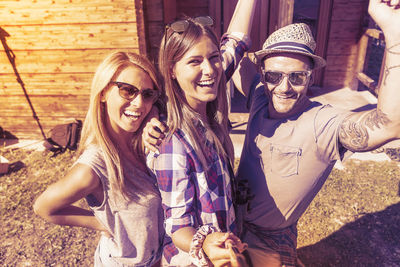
{"points": [[354, 134], [394, 49]]}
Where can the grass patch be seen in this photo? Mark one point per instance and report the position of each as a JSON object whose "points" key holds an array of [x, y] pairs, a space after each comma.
{"points": [[353, 221]]}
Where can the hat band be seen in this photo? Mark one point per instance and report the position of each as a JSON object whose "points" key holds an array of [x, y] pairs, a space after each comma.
{"points": [[291, 46]]}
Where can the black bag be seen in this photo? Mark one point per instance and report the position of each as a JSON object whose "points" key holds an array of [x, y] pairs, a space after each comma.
{"points": [[241, 197], [65, 136]]}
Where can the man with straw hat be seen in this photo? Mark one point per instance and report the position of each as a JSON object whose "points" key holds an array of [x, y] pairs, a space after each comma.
{"points": [[292, 143]]}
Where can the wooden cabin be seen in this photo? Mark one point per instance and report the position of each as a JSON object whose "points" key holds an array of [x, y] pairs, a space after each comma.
{"points": [[51, 48]]}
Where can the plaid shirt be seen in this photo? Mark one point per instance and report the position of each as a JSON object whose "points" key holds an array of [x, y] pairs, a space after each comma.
{"points": [[193, 196]]}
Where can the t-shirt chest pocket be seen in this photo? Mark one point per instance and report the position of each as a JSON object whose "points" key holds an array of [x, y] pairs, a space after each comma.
{"points": [[284, 160]]}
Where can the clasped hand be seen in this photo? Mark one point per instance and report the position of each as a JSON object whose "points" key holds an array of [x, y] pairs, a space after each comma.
{"points": [[225, 249]]}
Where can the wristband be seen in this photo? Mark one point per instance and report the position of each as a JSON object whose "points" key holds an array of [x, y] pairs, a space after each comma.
{"points": [[196, 253]]}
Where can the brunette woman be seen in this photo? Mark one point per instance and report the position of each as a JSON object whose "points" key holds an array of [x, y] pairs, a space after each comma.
{"points": [[193, 163]]}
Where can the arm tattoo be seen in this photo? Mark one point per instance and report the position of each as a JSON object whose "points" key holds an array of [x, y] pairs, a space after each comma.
{"points": [[354, 134], [387, 72], [375, 118], [391, 50]]}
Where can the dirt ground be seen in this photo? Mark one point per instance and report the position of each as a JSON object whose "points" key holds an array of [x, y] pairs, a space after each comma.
{"points": [[26, 239], [353, 221]]}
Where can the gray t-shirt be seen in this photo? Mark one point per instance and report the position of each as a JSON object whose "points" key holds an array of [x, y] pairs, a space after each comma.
{"points": [[136, 226], [286, 161]]}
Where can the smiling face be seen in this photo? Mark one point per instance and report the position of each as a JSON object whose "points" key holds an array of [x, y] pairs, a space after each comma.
{"points": [[198, 73], [125, 116], [285, 98]]}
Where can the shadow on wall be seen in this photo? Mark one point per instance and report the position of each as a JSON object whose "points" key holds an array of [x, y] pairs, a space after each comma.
{"points": [[373, 240], [11, 57]]}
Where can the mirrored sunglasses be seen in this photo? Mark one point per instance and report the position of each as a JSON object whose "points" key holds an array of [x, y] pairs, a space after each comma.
{"points": [[296, 78], [129, 92]]}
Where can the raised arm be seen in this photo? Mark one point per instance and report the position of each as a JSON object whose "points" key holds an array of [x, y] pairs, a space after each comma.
{"points": [[242, 18], [364, 131], [245, 76], [242, 21], [233, 51]]}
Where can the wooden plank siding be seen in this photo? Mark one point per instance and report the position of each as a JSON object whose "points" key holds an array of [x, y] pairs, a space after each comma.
{"points": [[52, 12], [58, 45], [345, 30], [72, 37]]}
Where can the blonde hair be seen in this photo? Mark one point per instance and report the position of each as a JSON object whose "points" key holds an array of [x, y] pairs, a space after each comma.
{"points": [[173, 47], [94, 131]]}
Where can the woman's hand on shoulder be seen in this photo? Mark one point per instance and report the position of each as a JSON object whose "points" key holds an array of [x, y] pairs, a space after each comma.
{"points": [[153, 134]]}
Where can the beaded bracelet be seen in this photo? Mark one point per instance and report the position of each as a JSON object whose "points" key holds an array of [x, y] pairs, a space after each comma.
{"points": [[196, 252]]}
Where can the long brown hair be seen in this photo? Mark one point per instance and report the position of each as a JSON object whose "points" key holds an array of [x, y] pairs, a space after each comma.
{"points": [[94, 131], [174, 46]]}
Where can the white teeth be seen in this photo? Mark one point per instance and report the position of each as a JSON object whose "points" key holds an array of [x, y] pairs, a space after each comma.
{"points": [[206, 83], [284, 96], [132, 113]]}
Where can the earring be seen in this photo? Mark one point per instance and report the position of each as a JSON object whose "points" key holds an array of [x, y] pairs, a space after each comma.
{"points": [[102, 98]]}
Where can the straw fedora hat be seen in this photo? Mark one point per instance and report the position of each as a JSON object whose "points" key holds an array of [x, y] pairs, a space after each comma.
{"points": [[293, 38]]}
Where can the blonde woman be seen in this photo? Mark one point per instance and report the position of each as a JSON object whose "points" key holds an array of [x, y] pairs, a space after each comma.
{"points": [[111, 173], [193, 163]]}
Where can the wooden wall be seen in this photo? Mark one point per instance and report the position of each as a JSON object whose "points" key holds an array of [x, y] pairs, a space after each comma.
{"points": [[345, 29], [344, 23], [154, 21], [158, 13], [57, 46]]}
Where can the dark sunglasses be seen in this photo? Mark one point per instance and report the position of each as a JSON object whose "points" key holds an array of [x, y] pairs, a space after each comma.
{"points": [[129, 92], [180, 26], [296, 78]]}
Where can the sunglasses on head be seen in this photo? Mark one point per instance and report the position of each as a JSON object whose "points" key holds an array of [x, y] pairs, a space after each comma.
{"points": [[129, 92], [181, 26], [296, 78]]}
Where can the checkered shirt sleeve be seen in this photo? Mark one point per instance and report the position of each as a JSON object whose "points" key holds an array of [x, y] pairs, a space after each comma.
{"points": [[233, 46], [172, 168]]}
